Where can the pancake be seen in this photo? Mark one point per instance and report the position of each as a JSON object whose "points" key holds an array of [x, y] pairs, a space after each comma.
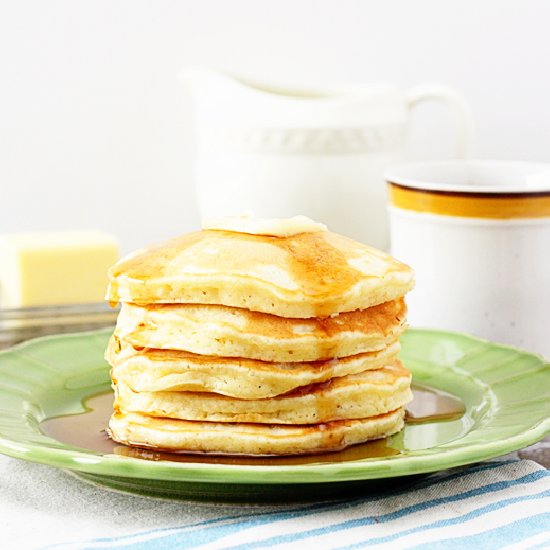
{"points": [[248, 439], [350, 397], [145, 369], [303, 275], [233, 332]]}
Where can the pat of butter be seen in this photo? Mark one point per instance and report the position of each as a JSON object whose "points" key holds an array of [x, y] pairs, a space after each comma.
{"points": [[276, 227], [50, 268]]}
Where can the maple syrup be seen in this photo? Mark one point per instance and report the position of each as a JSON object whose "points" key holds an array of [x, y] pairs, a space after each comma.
{"points": [[88, 431], [429, 405]]}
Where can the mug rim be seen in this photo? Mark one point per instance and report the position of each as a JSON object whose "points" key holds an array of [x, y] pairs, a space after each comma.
{"points": [[480, 177]]}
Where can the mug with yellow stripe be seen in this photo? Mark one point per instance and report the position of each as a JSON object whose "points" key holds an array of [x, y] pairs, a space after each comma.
{"points": [[477, 234]]}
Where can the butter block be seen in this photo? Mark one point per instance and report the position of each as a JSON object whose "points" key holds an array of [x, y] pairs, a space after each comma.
{"points": [[274, 227], [55, 268]]}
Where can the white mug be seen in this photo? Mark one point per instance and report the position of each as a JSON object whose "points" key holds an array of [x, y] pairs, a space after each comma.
{"points": [[322, 153], [477, 234]]}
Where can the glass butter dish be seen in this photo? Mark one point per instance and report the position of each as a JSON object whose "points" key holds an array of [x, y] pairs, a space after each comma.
{"points": [[18, 324]]}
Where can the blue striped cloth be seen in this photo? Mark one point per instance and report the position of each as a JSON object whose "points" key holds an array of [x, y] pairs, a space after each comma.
{"points": [[490, 505]]}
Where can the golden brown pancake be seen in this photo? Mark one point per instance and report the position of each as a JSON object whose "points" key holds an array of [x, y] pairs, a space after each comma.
{"points": [[233, 332], [164, 434], [144, 369], [258, 337], [310, 274], [370, 393]]}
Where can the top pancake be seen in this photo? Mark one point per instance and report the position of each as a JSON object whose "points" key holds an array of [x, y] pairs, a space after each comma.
{"points": [[308, 274]]}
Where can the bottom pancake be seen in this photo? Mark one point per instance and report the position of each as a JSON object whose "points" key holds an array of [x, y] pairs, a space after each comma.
{"points": [[184, 436]]}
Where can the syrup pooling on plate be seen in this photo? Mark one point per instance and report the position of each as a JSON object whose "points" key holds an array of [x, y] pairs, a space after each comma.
{"points": [[430, 406], [88, 431]]}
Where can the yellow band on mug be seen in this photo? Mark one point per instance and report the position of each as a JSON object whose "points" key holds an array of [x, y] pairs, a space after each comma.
{"points": [[471, 205]]}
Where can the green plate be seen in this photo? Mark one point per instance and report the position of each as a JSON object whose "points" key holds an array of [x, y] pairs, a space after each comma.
{"points": [[506, 393]]}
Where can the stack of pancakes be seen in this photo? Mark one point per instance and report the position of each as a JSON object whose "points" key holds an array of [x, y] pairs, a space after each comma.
{"points": [[258, 338]]}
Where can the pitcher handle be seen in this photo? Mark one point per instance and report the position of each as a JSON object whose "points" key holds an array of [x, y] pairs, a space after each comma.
{"points": [[460, 110]]}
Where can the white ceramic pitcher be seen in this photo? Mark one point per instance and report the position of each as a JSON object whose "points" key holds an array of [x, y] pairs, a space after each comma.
{"points": [[277, 152]]}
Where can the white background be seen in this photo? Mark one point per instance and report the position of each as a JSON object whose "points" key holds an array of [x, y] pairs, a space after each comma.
{"points": [[96, 130]]}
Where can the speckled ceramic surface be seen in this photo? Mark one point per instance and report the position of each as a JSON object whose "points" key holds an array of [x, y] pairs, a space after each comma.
{"points": [[506, 393]]}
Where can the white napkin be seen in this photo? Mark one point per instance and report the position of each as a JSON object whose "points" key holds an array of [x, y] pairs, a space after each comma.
{"points": [[489, 505]]}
